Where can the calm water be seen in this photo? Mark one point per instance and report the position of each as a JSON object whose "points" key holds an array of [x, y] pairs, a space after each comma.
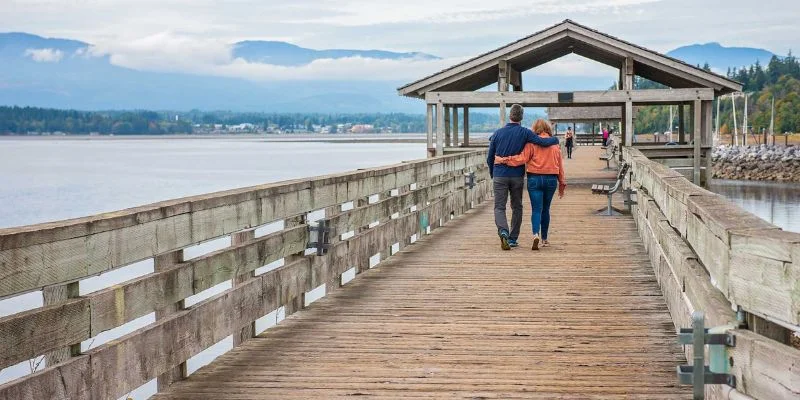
{"points": [[46, 180], [777, 203]]}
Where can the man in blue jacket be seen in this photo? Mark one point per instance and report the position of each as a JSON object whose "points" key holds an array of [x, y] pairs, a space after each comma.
{"points": [[508, 141]]}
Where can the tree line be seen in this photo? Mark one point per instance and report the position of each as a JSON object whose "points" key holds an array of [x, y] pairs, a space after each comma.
{"points": [[26, 120], [779, 80]]}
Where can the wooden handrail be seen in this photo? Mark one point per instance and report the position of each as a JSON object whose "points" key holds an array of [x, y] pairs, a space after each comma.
{"points": [[113, 369], [709, 255]]}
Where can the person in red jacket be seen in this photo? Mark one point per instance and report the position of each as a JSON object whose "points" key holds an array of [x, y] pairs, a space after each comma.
{"points": [[545, 170]]}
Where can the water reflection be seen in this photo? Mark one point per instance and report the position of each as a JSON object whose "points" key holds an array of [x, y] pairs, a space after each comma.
{"points": [[777, 203]]}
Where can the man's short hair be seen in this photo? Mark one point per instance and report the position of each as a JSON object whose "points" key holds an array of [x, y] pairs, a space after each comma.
{"points": [[515, 115]]}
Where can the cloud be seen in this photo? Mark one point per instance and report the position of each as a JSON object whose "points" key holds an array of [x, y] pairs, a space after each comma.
{"points": [[164, 51], [45, 55], [350, 68], [185, 53], [181, 53]]}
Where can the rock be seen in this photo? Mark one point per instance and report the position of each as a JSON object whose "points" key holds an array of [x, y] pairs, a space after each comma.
{"points": [[758, 162]]}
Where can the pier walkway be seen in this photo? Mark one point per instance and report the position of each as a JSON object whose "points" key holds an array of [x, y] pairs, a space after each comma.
{"points": [[453, 316]]}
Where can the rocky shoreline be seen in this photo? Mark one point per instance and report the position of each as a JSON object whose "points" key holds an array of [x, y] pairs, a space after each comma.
{"points": [[757, 163]]}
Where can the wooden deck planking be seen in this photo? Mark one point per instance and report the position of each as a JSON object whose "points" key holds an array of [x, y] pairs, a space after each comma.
{"points": [[453, 316]]}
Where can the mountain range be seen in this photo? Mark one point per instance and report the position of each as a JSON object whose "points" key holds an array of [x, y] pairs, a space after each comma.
{"points": [[62, 73]]}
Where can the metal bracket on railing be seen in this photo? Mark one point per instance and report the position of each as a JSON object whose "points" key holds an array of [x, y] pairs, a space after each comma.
{"points": [[469, 179], [628, 197], [698, 374], [319, 236]]}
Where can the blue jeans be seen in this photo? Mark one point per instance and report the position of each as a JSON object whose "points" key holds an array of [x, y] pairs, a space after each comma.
{"points": [[541, 189]]}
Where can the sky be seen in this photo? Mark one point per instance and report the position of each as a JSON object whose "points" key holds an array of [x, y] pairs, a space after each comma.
{"points": [[195, 35]]}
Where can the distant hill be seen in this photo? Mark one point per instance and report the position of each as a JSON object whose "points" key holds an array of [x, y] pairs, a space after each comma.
{"points": [[52, 72], [719, 56], [282, 53]]}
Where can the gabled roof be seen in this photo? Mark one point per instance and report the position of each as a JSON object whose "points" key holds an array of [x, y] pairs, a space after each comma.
{"points": [[562, 39]]}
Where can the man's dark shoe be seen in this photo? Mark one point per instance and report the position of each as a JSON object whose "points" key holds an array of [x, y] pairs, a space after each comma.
{"points": [[504, 240], [513, 242]]}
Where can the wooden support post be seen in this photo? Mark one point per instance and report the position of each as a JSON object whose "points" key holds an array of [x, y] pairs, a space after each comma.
{"points": [[178, 372], [502, 86], [697, 126], [628, 123], [248, 331], [502, 76], [429, 120], [707, 136], [455, 126], [681, 125], [447, 126], [439, 129], [54, 295], [627, 74], [466, 126], [515, 78]]}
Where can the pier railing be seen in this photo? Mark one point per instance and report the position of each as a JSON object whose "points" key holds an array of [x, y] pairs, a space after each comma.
{"points": [[712, 256], [408, 200]]}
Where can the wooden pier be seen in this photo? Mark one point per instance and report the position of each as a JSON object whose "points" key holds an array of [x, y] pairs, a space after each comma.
{"points": [[454, 316]]}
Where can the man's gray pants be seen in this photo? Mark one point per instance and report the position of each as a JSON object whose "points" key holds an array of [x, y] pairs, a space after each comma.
{"points": [[503, 186]]}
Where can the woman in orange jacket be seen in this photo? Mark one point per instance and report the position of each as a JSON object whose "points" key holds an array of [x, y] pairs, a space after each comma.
{"points": [[545, 170]]}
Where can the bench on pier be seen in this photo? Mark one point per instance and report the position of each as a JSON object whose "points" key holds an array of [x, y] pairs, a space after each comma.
{"points": [[609, 156], [610, 190]]}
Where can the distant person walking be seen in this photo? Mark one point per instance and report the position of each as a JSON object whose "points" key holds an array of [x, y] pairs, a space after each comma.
{"points": [[545, 174], [507, 180], [569, 141], [605, 136]]}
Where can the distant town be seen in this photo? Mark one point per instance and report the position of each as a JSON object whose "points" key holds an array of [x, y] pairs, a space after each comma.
{"points": [[217, 129]]}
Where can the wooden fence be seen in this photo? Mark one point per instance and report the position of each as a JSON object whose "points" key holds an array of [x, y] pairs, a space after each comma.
{"points": [[712, 256], [412, 197]]}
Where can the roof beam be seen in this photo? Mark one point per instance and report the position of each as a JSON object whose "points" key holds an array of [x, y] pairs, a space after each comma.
{"points": [[580, 98], [639, 55], [484, 61]]}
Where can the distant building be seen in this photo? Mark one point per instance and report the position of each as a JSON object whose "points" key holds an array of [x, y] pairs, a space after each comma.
{"points": [[362, 128]]}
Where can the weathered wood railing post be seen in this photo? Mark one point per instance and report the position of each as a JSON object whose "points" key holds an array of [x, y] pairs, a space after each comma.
{"points": [[162, 263], [298, 302], [57, 294], [248, 331]]}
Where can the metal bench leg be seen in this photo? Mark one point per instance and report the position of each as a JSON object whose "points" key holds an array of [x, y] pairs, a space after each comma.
{"points": [[610, 210]]}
